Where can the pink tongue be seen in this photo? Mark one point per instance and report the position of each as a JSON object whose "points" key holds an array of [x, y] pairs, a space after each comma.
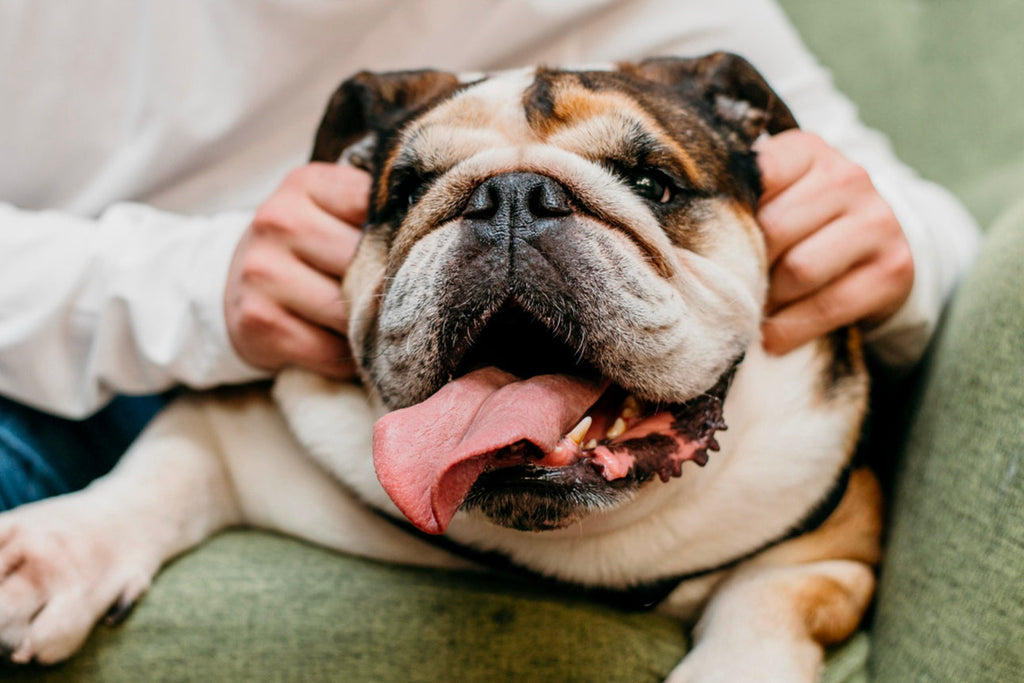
{"points": [[427, 456]]}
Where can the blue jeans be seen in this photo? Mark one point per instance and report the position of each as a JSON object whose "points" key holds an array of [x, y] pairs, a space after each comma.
{"points": [[42, 455]]}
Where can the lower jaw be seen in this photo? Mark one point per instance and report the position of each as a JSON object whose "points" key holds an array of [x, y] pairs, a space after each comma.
{"points": [[532, 498]]}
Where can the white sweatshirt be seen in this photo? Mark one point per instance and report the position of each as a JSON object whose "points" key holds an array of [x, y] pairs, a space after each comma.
{"points": [[137, 137]]}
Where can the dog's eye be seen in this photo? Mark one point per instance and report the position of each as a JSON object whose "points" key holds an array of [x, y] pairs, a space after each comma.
{"points": [[652, 185], [409, 190]]}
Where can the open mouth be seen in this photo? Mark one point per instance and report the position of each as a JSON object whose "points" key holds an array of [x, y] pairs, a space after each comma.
{"points": [[523, 396], [517, 342]]}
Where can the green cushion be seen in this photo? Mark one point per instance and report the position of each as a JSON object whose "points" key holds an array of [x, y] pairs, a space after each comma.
{"points": [[951, 603], [254, 607], [943, 78]]}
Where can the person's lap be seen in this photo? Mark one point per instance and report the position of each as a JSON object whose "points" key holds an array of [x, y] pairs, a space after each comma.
{"points": [[43, 456]]}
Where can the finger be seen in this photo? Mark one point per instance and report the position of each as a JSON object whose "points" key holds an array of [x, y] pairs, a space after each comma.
{"points": [[314, 235], [819, 259], [267, 335], [316, 349], [842, 302], [801, 209], [782, 159], [329, 245], [343, 191], [292, 218], [308, 294]]}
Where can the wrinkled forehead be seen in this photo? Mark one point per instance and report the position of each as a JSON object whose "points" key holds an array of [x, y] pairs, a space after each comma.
{"points": [[596, 113]]}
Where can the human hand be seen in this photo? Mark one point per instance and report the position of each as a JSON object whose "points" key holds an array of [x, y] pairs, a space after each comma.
{"points": [[282, 301], [836, 251]]}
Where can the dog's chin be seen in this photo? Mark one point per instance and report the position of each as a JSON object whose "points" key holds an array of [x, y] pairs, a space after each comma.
{"points": [[531, 498]]}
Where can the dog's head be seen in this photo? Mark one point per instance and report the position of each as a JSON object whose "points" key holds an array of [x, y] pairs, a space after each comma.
{"points": [[559, 272]]}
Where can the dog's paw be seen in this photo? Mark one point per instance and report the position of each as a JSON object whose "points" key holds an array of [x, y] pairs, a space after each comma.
{"points": [[767, 661], [64, 565]]}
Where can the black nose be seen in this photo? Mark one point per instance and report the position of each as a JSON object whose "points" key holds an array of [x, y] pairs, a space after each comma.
{"points": [[516, 205]]}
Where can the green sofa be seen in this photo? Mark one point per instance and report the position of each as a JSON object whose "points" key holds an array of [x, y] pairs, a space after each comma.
{"points": [[946, 80]]}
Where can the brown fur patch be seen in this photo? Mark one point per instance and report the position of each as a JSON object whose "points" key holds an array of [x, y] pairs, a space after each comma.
{"points": [[367, 100], [843, 380], [852, 532], [561, 100], [383, 179], [830, 609], [723, 75], [845, 353]]}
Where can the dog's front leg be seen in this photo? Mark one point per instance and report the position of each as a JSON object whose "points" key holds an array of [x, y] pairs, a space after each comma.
{"points": [[771, 623], [67, 561]]}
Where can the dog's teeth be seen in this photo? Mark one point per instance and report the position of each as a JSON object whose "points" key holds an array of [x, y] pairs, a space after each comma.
{"points": [[590, 445], [617, 428], [630, 408], [580, 430]]}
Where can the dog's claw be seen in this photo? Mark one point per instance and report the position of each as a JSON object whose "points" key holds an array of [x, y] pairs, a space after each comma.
{"points": [[120, 611], [67, 565]]}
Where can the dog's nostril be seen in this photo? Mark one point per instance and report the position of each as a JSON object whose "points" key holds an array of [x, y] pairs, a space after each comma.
{"points": [[547, 199], [483, 203]]}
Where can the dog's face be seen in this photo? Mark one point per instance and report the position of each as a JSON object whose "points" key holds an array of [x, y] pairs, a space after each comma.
{"points": [[544, 245]]}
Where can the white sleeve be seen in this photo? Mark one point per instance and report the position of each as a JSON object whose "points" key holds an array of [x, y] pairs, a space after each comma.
{"points": [[128, 303], [942, 235]]}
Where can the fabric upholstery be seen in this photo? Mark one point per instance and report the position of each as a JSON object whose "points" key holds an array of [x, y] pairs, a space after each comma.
{"points": [[951, 602], [941, 78], [254, 607]]}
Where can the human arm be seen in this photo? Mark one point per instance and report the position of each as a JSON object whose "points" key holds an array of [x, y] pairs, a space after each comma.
{"points": [[134, 301], [127, 303]]}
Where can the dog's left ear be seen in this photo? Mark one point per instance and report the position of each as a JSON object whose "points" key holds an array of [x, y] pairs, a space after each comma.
{"points": [[368, 103], [737, 93]]}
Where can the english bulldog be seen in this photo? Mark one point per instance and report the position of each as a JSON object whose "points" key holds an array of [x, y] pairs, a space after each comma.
{"points": [[555, 311]]}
